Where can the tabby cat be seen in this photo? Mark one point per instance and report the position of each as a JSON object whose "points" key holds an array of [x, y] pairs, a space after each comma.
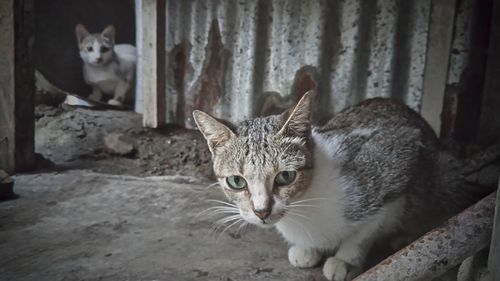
{"points": [[374, 169]]}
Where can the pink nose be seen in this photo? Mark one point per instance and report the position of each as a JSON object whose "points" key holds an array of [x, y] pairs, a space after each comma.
{"points": [[262, 213]]}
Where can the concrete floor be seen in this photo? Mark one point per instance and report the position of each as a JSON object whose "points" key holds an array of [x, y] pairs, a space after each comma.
{"points": [[80, 225]]}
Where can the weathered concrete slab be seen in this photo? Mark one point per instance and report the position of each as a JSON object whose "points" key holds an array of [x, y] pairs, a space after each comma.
{"points": [[79, 225]]}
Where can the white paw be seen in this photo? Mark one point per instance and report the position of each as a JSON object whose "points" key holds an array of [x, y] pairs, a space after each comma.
{"points": [[304, 258], [335, 269], [114, 102]]}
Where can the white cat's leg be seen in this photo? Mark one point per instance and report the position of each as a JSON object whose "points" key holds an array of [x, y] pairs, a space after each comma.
{"points": [[303, 258], [96, 94], [350, 257], [345, 265], [120, 92]]}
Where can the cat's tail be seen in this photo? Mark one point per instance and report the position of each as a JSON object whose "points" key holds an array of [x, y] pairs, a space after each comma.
{"points": [[480, 160], [481, 171]]}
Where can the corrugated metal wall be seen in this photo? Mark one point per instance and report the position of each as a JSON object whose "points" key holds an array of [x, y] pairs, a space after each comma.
{"points": [[238, 59]]}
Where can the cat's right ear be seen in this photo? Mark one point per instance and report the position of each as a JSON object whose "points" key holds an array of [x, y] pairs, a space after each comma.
{"points": [[298, 119], [81, 32], [216, 133], [109, 33]]}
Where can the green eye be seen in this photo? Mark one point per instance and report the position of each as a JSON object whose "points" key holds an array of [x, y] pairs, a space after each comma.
{"points": [[285, 177], [236, 182]]}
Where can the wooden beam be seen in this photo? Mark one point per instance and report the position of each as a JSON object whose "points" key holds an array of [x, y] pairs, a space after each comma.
{"points": [[437, 59], [7, 131], [17, 85], [151, 33]]}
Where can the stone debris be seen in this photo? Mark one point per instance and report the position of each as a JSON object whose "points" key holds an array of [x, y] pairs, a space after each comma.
{"points": [[117, 143], [6, 186]]}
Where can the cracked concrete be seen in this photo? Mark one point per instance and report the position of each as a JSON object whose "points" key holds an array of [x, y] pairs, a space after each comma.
{"points": [[81, 225]]}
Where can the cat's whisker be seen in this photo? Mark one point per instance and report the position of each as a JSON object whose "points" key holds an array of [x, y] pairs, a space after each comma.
{"points": [[212, 185], [302, 227], [303, 205], [227, 219], [309, 199], [217, 209], [233, 220], [242, 226], [222, 202], [229, 226], [214, 213], [298, 215]]}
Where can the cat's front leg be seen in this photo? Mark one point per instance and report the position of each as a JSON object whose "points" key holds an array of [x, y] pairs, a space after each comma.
{"points": [[96, 94], [336, 269], [350, 257], [304, 258], [120, 92]]}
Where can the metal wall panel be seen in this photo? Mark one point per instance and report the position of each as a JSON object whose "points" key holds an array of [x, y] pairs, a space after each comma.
{"points": [[238, 59]]}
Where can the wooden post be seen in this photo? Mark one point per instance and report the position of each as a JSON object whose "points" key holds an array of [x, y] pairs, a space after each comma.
{"points": [[151, 33], [17, 85], [489, 123], [437, 59]]}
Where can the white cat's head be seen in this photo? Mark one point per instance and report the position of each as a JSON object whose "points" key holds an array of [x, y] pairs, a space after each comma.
{"points": [[95, 49], [264, 163]]}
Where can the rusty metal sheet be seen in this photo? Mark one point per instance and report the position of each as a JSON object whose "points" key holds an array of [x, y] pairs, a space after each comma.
{"points": [[239, 59]]}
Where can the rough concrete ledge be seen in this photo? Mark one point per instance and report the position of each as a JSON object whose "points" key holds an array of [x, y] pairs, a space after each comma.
{"points": [[79, 225]]}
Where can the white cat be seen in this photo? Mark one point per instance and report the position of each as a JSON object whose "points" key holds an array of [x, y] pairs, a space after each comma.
{"points": [[108, 68]]}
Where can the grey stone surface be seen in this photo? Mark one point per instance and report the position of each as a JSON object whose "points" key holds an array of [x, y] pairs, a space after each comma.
{"points": [[118, 143], [80, 225]]}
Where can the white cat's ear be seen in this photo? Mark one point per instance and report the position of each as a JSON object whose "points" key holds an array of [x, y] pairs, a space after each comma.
{"points": [[216, 133], [81, 32], [109, 33], [298, 119]]}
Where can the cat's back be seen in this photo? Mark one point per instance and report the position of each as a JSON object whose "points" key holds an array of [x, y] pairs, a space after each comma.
{"points": [[383, 148], [386, 118], [379, 114], [126, 53]]}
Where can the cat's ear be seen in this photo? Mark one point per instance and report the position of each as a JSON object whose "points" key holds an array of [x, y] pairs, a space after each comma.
{"points": [[81, 32], [216, 133], [109, 33], [298, 119]]}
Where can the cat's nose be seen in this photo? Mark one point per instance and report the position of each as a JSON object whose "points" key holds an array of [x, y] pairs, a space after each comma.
{"points": [[262, 213], [99, 60]]}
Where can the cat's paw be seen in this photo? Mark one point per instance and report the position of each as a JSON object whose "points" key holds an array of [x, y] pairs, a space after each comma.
{"points": [[336, 269], [114, 102], [303, 258]]}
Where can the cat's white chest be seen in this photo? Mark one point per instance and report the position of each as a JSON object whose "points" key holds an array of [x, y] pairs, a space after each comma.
{"points": [[105, 76], [320, 222], [120, 69]]}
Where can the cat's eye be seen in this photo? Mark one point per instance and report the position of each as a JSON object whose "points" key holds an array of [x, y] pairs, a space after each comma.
{"points": [[236, 182], [90, 49], [104, 49], [285, 177]]}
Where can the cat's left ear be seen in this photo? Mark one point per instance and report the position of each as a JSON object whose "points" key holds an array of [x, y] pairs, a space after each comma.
{"points": [[81, 32], [109, 33], [216, 133], [298, 119]]}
